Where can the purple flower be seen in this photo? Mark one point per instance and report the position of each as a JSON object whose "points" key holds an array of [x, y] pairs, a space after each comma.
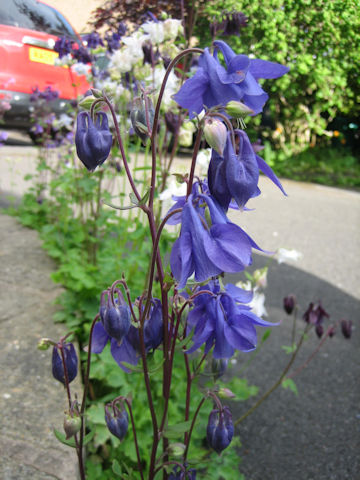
{"points": [[71, 362], [224, 321], [93, 40], [82, 55], [289, 303], [116, 317], [63, 46], [236, 174], [346, 328], [116, 420], [220, 429], [186, 474], [214, 85], [315, 314], [93, 141], [208, 244], [129, 349]]}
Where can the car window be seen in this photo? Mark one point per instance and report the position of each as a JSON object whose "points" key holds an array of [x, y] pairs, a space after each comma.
{"points": [[34, 15]]}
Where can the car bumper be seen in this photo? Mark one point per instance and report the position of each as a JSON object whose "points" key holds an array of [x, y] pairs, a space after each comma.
{"points": [[19, 116]]}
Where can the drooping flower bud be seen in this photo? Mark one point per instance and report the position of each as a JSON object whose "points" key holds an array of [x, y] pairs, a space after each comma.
{"points": [[218, 367], [117, 420], [319, 329], [226, 393], [346, 328], [44, 344], [93, 141], [72, 424], [71, 362], [215, 134], [237, 109], [116, 317], [289, 303], [220, 429], [142, 117]]}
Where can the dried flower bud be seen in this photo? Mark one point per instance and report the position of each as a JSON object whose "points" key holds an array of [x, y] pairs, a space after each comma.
{"points": [[220, 429], [71, 362], [237, 109], [215, 134], [346, 328], [289, 303], [72, 424], [93, 141], [116, 420], [138, 114]]}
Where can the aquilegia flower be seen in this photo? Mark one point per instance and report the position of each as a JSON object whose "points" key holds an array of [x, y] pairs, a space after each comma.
{"points": [[224, 321], [220, 429], [117, 420], [214, 85], [93, 141], [208, 249], [128, 350], [236, 174], [70, 359]]}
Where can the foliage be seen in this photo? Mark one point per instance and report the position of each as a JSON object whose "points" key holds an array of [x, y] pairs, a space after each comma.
{"points": [[336, 167], [320, 41]]}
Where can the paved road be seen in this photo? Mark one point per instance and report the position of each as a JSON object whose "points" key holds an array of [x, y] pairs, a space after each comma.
{"points": [[312, 436]]}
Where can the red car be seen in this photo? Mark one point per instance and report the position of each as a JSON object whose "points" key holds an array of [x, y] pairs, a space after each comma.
{"points": [[28, 32]]}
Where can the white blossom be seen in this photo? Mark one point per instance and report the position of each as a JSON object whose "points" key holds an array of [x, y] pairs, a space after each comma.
{"points": [[284, 255]]}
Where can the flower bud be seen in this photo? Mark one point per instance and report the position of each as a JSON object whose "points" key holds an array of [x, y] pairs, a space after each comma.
{"points": [[346, 328], [183, 474], [289, 303], [226, 393], [218, 367], [116, 318], [93, 141], [72, 424], [215, 134], [71, 362], [237, 109], [220, 429], [138, 118], [116, 420], [319, 329], [44, 344], [176, 449]]}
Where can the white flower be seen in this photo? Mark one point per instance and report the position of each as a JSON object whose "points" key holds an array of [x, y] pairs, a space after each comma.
{"points": [[155, 30], [80, 68], [186, 133], [174, 188], [172, 28], [203, 160], [284, 255], [257, 304]]}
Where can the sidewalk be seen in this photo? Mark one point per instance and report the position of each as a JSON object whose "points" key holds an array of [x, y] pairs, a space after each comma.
{"points": [[312, 436]]}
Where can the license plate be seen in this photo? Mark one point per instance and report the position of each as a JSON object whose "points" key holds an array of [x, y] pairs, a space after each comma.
{"points": [[41, 55]]}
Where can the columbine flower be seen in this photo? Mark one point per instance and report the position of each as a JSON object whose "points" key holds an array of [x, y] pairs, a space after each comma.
{"points": [[346, 328], [117, 420], [129, 349], [71, 362], [315, 314], [115, 316], [224, 321], [214, 85], [236, 174], [93, 141], [208, 249], [220, 429], [183, 474]]}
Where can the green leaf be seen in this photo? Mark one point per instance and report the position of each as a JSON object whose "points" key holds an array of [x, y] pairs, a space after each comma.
{"points": [[173, 431], [289, 383], [71, 442], [289, 348], [116, 468]]}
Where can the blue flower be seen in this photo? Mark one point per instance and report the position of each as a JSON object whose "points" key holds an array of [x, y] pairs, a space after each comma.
{"points": [[116, 420], [220, 429], [93, 141], [71, 362], [224, 321], [208, 249], [214, 85], [236, 174], [128, 350]]}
